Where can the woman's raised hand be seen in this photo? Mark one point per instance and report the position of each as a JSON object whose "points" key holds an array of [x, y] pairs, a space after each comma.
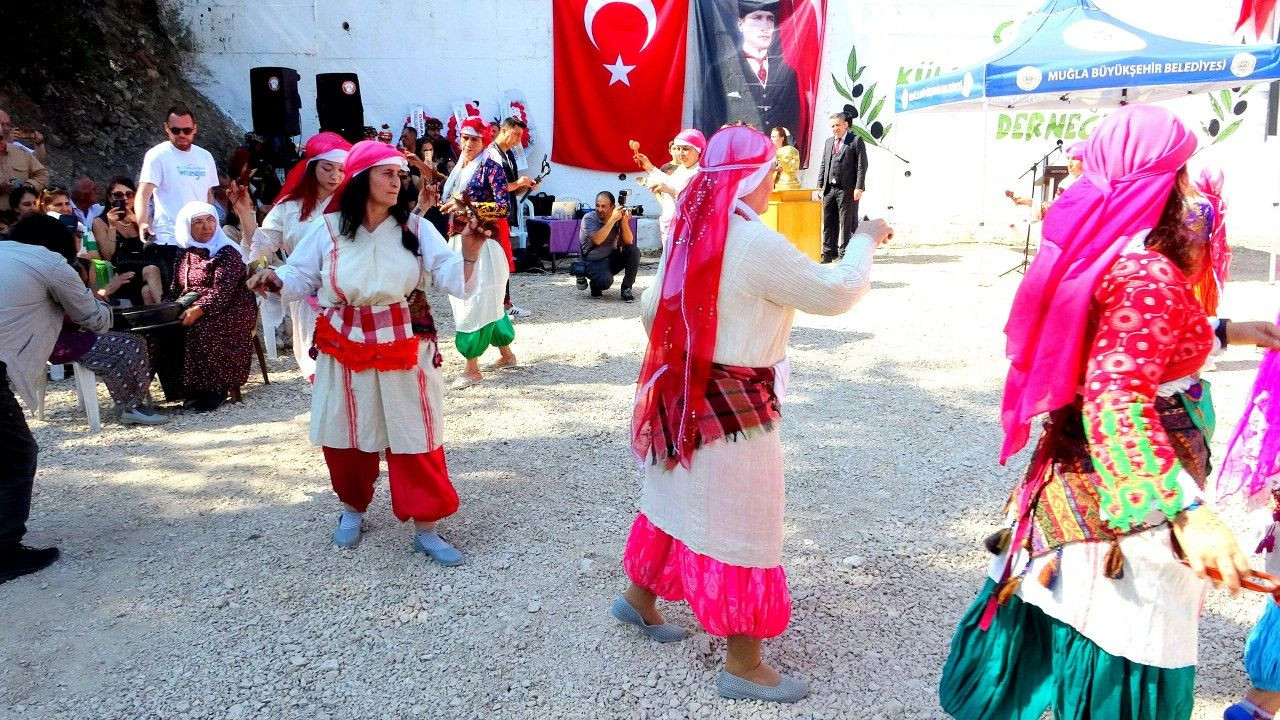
{"points": [[265, 281], [1207, 543]]}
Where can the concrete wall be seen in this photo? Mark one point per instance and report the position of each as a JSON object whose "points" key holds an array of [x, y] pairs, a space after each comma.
{"points": [[435, 52]]}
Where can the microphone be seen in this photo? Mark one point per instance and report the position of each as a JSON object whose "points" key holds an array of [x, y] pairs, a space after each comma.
{"points": [[1059, 143]]}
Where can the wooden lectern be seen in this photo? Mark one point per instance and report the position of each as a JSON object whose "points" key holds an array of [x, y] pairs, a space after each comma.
{"points": [[796, 215]]}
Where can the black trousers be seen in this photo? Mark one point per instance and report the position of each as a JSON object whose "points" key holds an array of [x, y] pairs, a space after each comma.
{"points": [[600, 272], [164, 257], [17, 466], [839, 221]]}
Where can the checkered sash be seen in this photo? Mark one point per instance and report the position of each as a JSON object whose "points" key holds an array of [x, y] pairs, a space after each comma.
{"points": [[371, 324], [378, 337], [738, 401]]}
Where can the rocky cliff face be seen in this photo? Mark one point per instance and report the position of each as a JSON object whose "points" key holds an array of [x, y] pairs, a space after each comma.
{"points": [[95, 77]]}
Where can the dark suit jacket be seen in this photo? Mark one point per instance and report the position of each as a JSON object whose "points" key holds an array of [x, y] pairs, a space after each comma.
{"points": [[777, 103], [849, 165]]}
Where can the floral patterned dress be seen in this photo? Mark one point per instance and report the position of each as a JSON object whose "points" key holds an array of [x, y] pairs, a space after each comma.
{"points": [[217, 348]]}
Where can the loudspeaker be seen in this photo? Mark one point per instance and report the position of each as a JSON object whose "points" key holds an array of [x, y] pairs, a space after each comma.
{"points": [[275, 101], [338, 105]]}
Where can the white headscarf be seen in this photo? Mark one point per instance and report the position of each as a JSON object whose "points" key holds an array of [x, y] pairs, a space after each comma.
{"points": [[182, 230]]}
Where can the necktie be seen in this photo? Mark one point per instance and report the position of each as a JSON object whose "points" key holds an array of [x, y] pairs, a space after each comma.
{"points": [[762, 73]]}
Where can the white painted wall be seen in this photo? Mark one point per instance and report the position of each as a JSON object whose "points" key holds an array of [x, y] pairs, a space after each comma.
{"points": [[434, 52]]}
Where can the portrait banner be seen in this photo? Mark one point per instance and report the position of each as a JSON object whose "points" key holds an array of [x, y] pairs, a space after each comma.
{"points": [[757, 62]]}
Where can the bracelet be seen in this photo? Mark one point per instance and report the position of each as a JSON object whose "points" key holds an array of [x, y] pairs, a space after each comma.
{"points": [[1194, 504], [469, 262], [1221, 331]]}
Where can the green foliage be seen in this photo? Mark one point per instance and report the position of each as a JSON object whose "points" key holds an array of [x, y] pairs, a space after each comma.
{"points": [[1227, 106], [865, 103]]}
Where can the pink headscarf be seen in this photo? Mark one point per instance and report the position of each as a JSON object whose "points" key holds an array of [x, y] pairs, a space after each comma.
{"points": [[1130, 165], [677, 363], [693, 138], [1210, 286], [364, 155], [325, 146], [1075, 151]]}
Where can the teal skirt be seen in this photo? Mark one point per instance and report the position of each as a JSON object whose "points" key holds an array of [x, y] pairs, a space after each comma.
{"points": [[1028, 662], [499, 333]]}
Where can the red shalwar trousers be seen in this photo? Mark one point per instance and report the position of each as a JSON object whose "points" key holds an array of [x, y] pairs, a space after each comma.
{"points": [[420, 487]]}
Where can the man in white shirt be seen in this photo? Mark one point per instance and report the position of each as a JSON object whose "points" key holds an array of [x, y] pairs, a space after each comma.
{"points": [[174, 173]]}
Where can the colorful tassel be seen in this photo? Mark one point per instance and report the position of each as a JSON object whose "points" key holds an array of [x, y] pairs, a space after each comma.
{"points": [[998, 541], [1008, 590], [1114, 564], [1049, 573]]}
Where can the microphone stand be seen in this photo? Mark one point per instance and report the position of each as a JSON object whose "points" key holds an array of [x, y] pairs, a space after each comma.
{"points": [[1034, 172]]}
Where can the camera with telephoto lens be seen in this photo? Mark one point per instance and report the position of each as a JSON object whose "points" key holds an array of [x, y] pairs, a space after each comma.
{"points": [[635, 210]]}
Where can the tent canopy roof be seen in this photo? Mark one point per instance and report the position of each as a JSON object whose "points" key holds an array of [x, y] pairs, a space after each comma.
{"points": [[1070, 52]]}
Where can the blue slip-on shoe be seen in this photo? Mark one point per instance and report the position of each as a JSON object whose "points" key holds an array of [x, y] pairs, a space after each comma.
{"points": [[436, 548], [1241, 711], [735, 688], [348, 533], [664, 633]]}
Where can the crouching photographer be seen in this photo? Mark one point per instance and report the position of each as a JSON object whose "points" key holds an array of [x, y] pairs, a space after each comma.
{"points": [[608, 248]]}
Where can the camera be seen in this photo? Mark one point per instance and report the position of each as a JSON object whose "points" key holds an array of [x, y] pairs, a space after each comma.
{"points": [[623, 197]]}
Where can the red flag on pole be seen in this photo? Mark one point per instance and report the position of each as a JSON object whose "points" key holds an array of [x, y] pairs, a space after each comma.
{"points": [[619, 76], [1259, 12]]}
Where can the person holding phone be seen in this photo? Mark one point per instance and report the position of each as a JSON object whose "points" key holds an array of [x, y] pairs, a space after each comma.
{"points": [[120, 243]]}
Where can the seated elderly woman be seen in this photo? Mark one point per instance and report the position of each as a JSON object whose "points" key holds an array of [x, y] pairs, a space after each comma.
{"points": [[215, 343], [118, 358]]}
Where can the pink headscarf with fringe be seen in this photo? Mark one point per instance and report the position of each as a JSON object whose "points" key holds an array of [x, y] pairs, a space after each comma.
{"points": [[677, 363], [1130, 165], [1253, 455], [365, 155]]}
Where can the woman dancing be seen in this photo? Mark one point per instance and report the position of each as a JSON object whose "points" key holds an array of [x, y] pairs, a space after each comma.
{"points": [[307, 189], [378, 386], [1088, 609], [481, 320], [718, 315]]}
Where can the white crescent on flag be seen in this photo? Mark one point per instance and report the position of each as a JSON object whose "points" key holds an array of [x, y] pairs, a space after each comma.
{"points": [[644, 6]]}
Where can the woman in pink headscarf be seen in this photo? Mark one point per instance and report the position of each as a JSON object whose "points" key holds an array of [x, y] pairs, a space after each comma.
{"points": [[378, 386], [708, 407], [686, 150], [1087, 609], [307, 188]]}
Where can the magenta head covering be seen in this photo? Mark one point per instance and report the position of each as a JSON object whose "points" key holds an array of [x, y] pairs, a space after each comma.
{"points": [[1130, 165], [693, 138], [1075, 151], [324, 146], [677, 363], [364, 155]]}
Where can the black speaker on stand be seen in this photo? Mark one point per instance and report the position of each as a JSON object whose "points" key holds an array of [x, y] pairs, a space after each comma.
{"points": [[274, 92], [338, 105]]}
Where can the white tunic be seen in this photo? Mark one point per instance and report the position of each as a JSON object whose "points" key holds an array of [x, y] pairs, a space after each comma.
{"points": [[282, 229], [399, 409], [728, 504], [677, 179]]}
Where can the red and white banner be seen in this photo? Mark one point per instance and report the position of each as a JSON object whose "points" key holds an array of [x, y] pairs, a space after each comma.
{"points": [[619, 76]]}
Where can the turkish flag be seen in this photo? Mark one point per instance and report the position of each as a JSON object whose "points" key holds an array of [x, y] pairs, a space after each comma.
{"points": [[619, 76]]}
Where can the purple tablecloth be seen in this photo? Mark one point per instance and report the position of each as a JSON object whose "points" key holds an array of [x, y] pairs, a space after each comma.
{"points": [[566, 234]]}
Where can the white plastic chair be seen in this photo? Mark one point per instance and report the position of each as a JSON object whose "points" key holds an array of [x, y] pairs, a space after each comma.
{"points": [[86, 393]]}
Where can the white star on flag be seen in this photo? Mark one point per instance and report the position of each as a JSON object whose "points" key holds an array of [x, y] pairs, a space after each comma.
{"points": [[618, 72]]}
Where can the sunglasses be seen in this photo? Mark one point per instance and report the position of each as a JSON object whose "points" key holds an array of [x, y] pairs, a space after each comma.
{"points": [[182, 130], [121, 194]]}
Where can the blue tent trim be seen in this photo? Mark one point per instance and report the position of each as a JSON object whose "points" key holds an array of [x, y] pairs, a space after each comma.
{"points": [[1072, 53]]}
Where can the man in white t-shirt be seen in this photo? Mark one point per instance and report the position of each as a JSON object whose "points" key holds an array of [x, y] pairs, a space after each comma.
{"points": [[173, 174]]}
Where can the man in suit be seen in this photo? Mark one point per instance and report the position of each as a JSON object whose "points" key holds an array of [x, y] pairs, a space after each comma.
{"points": [[841, 179], [770, 82]]}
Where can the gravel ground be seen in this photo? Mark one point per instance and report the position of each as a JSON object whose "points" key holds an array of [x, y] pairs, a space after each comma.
{"points": [[198, 582]]}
